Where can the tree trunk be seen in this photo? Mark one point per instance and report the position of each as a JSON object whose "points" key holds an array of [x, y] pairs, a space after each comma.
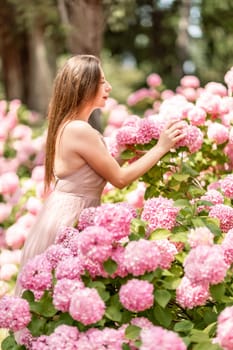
{"points": [[85, 21], [182, 42], [11, 51], [41, 76]]}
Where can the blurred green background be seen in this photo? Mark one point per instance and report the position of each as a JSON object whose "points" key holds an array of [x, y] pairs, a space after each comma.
{"points": [[133, 38]]}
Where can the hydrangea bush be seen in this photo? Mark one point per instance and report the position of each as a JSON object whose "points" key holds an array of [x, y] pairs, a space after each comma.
{"points": [[151, 268]]}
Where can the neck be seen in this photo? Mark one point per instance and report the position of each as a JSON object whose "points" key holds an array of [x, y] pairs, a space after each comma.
{"points": [[84, 113]]}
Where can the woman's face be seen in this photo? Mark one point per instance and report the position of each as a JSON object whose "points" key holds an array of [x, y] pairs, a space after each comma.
{"points": [[103, 92]]}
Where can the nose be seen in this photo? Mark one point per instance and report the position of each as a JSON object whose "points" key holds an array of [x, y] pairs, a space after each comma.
{"points": [[108, 86]]}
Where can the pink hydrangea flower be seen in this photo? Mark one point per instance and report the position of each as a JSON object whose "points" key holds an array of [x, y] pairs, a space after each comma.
{"points": [[190, 81], [227, 245], [64, 236], [86, 218], [216, 88], [159, 338], [56, 253], [190, 295], [107, 338], [118, 255], [95, 243], [14, 313], [218, 133], [225, 215], [64, 337], [137, 295], [94, 268], [167, 252], [136, 197], [115, 218], [154, 80], [127, 135], [212, 196], [209, 102], [226, 185], [225, 328], [25, 338], [205, 264], [197, 116], [5, 210], [159, 213], [72, 267], [36, 274], [200, 236], [141, 256], [228, 78], [63, 291], [147, 130], [40, 343], [86, 306], [193, 139], [9, 183], [141, 322]]}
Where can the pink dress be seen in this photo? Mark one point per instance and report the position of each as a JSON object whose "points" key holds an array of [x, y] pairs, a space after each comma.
{"points": [[71, 195]]}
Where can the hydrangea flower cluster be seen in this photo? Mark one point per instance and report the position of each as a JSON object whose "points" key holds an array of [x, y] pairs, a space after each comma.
{"points": [[86, 306], [200, 236], [141, 256], [137, 295], [36, 274], [115, 218], [226, 185], [159, 213], [190, 295], [213, 196], [227, 245], [225, 215], [205, 264], [225, 328], [160, 338], [14, 313]]}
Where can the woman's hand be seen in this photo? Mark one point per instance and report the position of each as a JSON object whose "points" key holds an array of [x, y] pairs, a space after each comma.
{"points": [[173, 133]]}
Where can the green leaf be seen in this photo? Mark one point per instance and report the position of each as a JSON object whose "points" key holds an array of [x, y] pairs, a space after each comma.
{"points": [[113, 313], [163, 316], [186, 169], [37, 325], [171, 282], [127, 154], [160, 233], [125, 347], [44, 306], [181, 203], [132, 332], [162, 297], [183, 326], [138, 227], [213, 225], [198, 336], [180, 177], [211, 329], [217, 291], [110, 266], [179, 237], [28, 295], [9, 343], [206, 346]]}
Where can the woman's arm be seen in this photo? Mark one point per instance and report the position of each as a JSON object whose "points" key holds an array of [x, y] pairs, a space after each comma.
{"points": [[90, 147]]}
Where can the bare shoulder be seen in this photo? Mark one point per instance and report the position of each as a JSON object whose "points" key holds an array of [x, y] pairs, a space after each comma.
{"points": [[80, 128]]}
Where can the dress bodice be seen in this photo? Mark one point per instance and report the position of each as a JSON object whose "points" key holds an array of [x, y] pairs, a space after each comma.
{"points": [[85, 182]]}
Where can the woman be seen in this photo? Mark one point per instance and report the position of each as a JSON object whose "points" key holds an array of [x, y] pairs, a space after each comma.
{"points": [[77, 159]]}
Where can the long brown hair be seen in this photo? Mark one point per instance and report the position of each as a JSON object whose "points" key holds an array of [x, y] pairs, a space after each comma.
{"points": [[75, 84]]}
